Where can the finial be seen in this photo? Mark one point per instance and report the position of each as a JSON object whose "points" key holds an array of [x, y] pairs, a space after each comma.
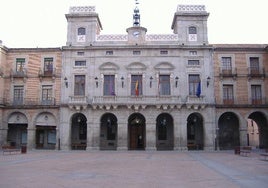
{"points": [[136, 15]]}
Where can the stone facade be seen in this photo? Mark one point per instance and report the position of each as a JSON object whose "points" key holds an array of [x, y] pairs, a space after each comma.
{"points": [[136, 91]]}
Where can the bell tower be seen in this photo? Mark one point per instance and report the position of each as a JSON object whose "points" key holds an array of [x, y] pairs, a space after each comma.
{"points": [[190, 23], [83, 25], [136, 34]]}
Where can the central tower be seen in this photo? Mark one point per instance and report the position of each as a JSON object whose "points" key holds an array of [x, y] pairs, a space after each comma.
{"points": [[136, 34]]}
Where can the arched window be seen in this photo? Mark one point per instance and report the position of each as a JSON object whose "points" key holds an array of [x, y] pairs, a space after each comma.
{"points": [[81, 31], [192, 30]]}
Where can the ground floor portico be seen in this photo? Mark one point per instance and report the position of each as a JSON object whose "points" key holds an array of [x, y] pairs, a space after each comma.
{"points": [[148, 129]]}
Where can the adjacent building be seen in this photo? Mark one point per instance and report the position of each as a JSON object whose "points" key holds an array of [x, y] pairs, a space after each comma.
{"points": [[136, 91]]}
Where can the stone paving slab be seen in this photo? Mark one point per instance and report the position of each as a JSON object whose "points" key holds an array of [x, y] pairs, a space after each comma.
{"points": [[156, 169]]}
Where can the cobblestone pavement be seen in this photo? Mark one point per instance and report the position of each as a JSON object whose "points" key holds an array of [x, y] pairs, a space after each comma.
{"points": [[127, 169]]}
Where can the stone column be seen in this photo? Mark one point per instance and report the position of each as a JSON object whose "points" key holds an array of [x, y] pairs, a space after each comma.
{"points": [[31, 130], [150, 136], [122, 136]]}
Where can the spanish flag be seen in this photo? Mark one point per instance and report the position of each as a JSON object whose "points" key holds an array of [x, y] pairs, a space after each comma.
{"points": [[137, 88]]}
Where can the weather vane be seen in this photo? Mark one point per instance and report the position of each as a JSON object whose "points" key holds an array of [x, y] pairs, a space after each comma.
{"points": [[136, 15]]}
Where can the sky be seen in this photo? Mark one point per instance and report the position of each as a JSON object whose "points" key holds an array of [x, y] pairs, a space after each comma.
{"points": [[42, 23]]}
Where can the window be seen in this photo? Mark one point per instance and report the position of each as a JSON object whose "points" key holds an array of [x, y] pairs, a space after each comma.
{"points": [[136, 85], [193, 62], [20, 64], [80, 53], [80, 63], [18, 94], [192, 34], [81, 31], [226, 63], [109, 85], [48, 66], [109, 52], [194, 85], [163, 52], [79, 85], [254, 65], [228, 94], [136, 52], [46, 93], [164, 84], [192, 30], [81, 34], [256, 94], [193, 53]]}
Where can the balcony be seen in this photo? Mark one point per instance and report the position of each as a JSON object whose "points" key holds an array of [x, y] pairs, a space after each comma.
{"points": [[18, 74], [29, 102], [137, 102], [47, 73], [78, 102], [228, 73], [195, 102], [256, 73]]}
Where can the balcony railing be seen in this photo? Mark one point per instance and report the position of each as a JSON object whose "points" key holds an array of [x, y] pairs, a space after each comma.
{"points": [[256, 72], [19, 74], [232, 72], [137, 100], [29, 102], [47, 73]]}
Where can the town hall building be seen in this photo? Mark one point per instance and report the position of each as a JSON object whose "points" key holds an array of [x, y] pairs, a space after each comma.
{"points": [[135, 91]]}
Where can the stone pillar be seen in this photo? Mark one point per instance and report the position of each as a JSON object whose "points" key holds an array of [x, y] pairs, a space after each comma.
{"points": [[243, 130], [122, 136], [150, 136], [65, 136], [31, 130]]}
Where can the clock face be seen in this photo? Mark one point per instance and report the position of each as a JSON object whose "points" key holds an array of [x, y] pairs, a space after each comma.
{"points": [[192, 37], [81, 38], [136, 33]]}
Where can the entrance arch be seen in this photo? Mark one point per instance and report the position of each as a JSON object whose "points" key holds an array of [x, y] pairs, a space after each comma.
{"points": [[108, 132], [17, 129], [257, 130], [136, 132], [79, 132], [195, 132], [45, 137], [164, 132], [228, 131]]}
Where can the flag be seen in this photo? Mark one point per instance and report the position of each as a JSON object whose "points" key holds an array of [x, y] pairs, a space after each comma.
{"points": [[198, 91], [137, 88]]}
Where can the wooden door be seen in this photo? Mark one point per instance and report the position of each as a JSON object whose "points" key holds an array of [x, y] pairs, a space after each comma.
{"points": [[136, 137]]}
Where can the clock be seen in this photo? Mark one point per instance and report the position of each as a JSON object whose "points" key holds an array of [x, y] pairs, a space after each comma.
{"points": [[136, 33], [81, 38], [192, 37]]}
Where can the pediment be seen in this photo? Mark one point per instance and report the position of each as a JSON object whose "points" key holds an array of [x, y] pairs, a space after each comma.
{"points": [[109, 66], [136, 66], [164, 66]]}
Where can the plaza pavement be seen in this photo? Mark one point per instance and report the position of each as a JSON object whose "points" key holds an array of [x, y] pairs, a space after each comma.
{"points": [[131, 169]]}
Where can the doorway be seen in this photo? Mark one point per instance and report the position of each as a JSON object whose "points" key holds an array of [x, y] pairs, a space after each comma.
{"points": [[136, 132], [195, 132]]}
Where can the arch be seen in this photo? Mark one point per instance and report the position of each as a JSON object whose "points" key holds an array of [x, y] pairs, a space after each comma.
{"points": [[79, 132], [108, 132], [257, 130], [45, 135], [228, 133], [17, 129], [195, 132], [136, 66], [164, 132], [164, 66], [108, 66], [136, 132]]}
